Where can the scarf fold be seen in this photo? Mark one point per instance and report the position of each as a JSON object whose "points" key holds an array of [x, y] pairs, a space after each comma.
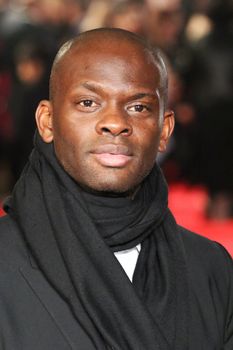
{"points": [[72, 235]]}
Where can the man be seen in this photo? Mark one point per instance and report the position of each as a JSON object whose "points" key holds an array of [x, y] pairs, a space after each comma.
{"points": [[92, 195]]}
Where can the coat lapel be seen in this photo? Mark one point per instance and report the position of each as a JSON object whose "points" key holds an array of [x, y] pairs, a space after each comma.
{"points": [[56, 307]]}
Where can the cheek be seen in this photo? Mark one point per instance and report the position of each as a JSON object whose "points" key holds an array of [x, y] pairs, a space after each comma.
{"points": [[71, 131], [149, 137], [66, 142]]}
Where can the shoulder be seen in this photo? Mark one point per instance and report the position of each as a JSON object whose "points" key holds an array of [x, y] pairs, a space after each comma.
{"points": [[8, 228], [12, 247], [207, 257], [210, 271], [201, 248], [198, 245]]}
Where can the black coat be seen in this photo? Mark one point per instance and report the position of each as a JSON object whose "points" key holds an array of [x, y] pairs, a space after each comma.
{"points": [[34, 317]]}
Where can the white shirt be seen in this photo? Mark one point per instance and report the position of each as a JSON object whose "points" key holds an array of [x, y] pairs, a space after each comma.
{"points": [[128, 259]]}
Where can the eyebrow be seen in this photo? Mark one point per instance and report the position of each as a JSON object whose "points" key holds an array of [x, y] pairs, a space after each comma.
{"points": [[92, 87], [97, 88], [144, 94]]}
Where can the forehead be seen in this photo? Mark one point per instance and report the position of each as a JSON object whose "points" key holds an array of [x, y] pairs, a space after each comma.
{"points": [[108, 59], [109, 45]]}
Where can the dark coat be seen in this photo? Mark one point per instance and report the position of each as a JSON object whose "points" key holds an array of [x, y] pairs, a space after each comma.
{"points": [[34, 317]]}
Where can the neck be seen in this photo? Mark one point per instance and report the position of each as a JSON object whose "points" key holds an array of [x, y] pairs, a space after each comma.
{"points": [[111, 194]]}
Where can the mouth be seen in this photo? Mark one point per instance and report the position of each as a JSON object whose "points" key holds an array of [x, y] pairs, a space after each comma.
{"points": [[114, 156]]}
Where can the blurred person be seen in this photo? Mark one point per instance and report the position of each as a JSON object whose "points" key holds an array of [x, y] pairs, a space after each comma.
{"points": [[51, 22], [29, 86], [95, 14], [210, 88], [179, 160], [15, 30], [75, 12], [164, 24], [31, 33], [5, 87], [12, 16], [6, 132], [91, 256], [126, 15], [61, 18]]}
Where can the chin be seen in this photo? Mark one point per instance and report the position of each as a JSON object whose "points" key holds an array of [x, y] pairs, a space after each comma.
{"points": [[112, 181], [107, 185], [112, 186], [108, 188]]}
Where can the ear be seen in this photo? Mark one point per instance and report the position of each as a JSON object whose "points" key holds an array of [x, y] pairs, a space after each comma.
{"points": [[44, 119], [167, 129]]}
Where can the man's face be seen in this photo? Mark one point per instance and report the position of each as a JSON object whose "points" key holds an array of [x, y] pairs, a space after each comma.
{"points": [[106, 126]]}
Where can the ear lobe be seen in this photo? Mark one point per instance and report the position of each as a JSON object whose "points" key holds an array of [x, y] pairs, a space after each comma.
{"points": [[167, 129], [44, 120]]}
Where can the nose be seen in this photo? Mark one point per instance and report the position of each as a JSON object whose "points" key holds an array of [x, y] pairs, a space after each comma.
{"points": [[114, 121]]}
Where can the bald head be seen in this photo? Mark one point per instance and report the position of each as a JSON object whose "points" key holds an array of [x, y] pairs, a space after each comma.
{"points": [[106, 116], [100, 39]]}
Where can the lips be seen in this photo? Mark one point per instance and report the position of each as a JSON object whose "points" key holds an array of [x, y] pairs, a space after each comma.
{"points": [[111, 155]]}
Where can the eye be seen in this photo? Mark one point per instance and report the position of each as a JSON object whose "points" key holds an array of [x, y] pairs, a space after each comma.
{"points": [[87, 103], [138, 108]]}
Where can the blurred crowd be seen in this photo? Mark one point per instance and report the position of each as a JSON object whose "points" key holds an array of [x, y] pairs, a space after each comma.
{"points": [[196, 37]]}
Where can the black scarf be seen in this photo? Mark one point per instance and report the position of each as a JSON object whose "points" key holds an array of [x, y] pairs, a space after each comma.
{"points": [[72, 235]]}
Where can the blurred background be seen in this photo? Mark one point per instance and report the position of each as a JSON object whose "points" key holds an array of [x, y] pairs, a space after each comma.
{"points": [[196, 37]]}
